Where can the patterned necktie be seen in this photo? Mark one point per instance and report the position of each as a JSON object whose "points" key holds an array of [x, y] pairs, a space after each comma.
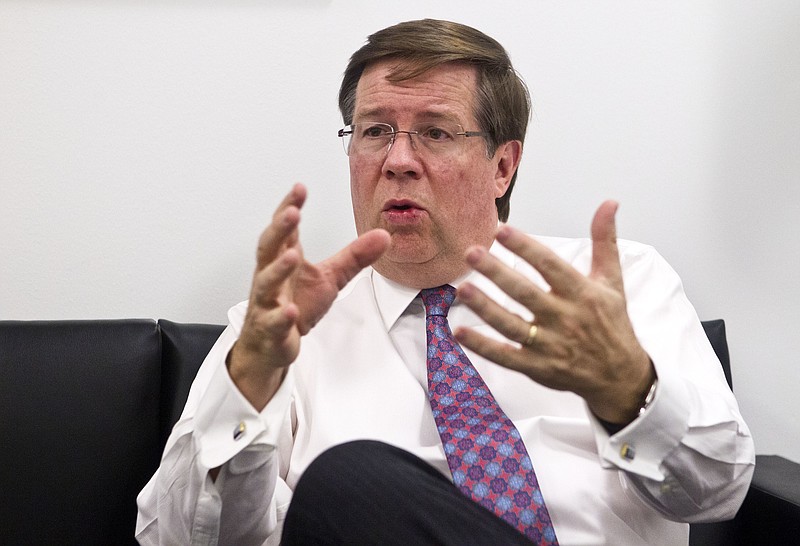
{"points": [[485, 453]]}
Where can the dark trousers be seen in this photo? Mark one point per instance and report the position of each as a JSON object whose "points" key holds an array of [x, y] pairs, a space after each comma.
{"points": [[368, 492]]}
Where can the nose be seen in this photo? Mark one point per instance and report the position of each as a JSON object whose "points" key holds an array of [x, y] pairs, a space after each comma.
{"points": [[410, 139], [402, 157]]}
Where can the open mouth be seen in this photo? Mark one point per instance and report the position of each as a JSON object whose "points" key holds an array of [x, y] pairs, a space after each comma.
{"points": [[402, 212], [400, 205]]}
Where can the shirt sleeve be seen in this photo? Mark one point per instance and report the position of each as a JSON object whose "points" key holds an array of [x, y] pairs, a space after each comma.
{"points": [[690, 454], [219, 428]]}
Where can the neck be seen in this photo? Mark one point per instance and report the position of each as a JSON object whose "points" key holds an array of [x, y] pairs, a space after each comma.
{"points": [[420, 276]]}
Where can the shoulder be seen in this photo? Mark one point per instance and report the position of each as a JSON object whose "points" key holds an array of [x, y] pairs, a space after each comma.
{"points": [[578, 251], [573, 248]]}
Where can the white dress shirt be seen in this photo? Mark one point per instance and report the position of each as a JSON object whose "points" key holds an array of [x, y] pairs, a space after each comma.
{"points": [[361, 374]]}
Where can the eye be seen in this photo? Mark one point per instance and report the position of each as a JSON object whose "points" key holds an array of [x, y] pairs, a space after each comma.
{"points": [[436, 134], [376, 130]]}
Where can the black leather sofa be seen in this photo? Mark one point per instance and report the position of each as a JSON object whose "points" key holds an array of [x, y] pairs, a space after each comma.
{"points": [[86, 407]]}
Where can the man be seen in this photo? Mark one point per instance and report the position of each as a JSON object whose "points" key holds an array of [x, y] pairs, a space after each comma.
{"points": [[590, 408]]}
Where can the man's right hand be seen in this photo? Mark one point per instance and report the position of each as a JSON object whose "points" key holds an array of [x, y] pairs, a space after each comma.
{"points": [[288, 297]]}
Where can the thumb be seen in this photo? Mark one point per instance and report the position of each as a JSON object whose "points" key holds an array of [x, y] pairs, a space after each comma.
{"points": [[345, 264]]}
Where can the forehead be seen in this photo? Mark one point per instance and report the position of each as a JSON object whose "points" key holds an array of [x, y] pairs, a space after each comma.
{"points": [[446, 91]]}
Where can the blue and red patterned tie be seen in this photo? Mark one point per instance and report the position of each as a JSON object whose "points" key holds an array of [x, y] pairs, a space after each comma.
{"points": [[484, 450]]}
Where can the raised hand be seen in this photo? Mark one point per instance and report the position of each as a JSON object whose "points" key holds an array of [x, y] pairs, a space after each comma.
{"points": [[584, 340], [288, 297]]}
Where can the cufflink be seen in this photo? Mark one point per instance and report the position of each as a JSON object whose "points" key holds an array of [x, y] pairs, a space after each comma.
{"points": [[627, 452], [238, 432]]}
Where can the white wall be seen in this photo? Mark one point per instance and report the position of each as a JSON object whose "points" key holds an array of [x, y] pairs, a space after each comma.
{"points": [[143, 146]]}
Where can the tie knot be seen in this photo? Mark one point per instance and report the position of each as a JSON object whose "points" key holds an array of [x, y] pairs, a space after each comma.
{"points": [[438, 300]]}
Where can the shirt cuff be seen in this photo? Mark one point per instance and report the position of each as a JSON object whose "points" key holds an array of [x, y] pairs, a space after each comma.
{"points": [[641, 446], [226, 423]]}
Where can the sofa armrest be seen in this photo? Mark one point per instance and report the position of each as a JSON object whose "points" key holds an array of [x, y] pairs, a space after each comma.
{"points": [[770, 513], [78, 428], [183, 349]]}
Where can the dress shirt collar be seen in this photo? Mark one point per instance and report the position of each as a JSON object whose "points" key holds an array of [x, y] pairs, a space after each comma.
{"points": [[393, 298]]}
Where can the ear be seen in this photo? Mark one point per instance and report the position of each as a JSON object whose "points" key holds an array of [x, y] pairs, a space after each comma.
{"points": [[507, 156]]}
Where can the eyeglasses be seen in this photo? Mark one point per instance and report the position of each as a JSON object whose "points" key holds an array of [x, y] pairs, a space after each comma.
{"points": [[439, 138]]}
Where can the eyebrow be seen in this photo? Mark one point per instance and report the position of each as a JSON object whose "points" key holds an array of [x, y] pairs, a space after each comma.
{"points": [[379, 113]]}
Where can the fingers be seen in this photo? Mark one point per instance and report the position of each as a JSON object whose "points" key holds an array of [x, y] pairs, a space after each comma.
{"points": [[513, 283], [345, 264], [497, 351], [267, 331], [584, 341], [605, 253], [561, 276], [543, 361], [277, 256], [282, 231], [268, 282], [509, 324]]}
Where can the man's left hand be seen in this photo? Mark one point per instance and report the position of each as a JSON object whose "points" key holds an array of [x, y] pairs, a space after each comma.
{"points": [[584, 341]]}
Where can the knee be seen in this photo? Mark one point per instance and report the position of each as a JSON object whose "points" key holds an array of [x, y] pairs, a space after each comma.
{"points": [[333, 494], [347, 467]]}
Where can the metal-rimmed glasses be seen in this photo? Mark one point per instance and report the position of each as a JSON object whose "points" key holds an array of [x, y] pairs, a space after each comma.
{"points": [[439, 138]]}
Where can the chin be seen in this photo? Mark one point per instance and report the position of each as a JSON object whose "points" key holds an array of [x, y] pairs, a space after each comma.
{"points": [[405, 258], [409, 249]]}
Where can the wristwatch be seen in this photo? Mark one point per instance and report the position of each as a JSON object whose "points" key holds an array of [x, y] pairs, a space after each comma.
{"points": [[651, 394]]}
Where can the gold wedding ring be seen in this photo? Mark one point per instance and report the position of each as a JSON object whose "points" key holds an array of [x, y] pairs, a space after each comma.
{"points": [[531, 335]]}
